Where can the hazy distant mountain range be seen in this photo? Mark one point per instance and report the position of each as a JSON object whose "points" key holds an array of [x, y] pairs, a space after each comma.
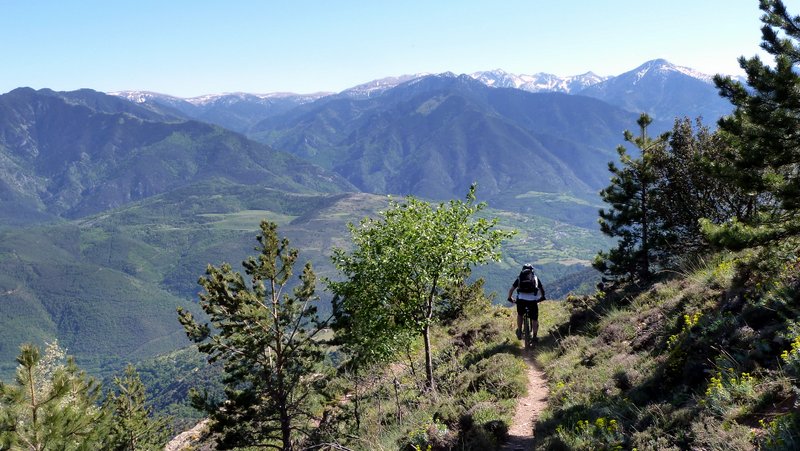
{"points": [[540, 82], [432, 134], [658, 87], [544, 82]]}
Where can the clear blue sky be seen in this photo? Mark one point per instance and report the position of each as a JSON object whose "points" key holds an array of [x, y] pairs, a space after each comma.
{"points": [[193, 47]]}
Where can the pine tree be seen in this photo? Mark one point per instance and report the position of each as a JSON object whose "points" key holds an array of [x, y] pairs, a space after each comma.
{"points": [[631, 217], [267, 341], [764, 131], [52, 406], [689, 189], [135, 427]]}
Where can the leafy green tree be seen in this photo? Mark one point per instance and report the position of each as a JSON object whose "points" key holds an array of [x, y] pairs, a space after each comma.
{"points": [[267, 342], [52, 405], [764, 131], [631, 217], [396, 275], [135, 427]]}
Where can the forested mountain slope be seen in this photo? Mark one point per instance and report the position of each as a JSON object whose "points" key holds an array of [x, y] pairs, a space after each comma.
{"points": [[435, 135], [74, 154], [91, 266]]}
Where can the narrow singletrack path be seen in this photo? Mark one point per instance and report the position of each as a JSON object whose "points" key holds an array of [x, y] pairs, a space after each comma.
{"points": [[521, 433]]}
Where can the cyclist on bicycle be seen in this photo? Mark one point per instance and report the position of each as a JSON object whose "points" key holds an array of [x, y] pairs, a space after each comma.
{"points": [[529, 293]]}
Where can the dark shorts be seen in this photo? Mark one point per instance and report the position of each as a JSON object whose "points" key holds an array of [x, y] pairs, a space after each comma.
{"points": [[532, 306]]}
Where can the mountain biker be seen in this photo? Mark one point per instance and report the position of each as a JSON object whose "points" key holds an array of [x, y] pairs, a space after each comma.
{"points": [[529, 293]]}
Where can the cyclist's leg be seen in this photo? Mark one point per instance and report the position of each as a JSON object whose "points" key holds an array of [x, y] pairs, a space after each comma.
{"points": [[520, 313], [534, 314], [526, 320]]}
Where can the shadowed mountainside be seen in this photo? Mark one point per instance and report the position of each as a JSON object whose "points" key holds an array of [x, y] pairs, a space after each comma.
{"points": [[74, 154], [433, 136]]}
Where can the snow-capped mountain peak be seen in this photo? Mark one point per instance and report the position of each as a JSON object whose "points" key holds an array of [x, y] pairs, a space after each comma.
{"points": [[539, 82], [140, 96], [497, 78], [662, 67], [651, 79], [376, 87]]}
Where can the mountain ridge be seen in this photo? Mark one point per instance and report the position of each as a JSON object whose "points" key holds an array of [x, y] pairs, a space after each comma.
{"points": [[535, 82], [434, 136], [663, 90], [234, 111], [82, 152], [588, 83]]}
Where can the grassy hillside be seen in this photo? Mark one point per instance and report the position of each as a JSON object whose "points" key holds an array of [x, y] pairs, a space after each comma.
{"points": [[706, 359], [479, 376]]}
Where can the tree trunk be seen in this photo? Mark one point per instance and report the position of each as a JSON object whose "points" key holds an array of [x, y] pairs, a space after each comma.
{"points": [[427, 334], [428, 358], [357, 403], [397, 399], [645, 264], [286, 427]]}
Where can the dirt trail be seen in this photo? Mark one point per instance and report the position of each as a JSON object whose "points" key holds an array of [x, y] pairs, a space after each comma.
{"points": [[521, 434]]}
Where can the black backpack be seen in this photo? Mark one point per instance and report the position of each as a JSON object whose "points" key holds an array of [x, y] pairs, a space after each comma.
{"points": [[528, 283]]}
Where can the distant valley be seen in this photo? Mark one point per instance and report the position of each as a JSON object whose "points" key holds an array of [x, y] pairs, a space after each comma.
{"points": [[114, 204]]}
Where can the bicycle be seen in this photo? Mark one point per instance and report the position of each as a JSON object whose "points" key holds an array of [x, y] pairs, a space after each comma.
{"points": [[526, 328], [528, 338]]}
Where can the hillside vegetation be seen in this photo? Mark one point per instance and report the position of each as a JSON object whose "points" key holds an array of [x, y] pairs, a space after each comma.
{"points": [[75, 154], [703, 359], [434, 136]]}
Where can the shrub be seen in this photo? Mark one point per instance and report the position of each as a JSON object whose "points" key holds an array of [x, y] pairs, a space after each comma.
{"points": [[781, 433], [791, 357], [727, 390], [602, 433], [502, 375], [431, 435]]}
